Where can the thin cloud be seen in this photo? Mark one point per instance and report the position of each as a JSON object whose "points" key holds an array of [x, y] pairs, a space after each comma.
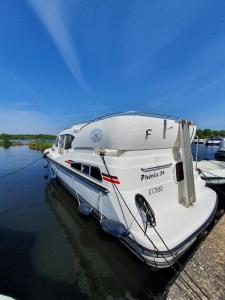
{"points": [[50, 15], [22, 121]]}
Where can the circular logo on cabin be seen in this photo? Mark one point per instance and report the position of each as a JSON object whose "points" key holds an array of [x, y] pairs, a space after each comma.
{"points": [[96, 135]]}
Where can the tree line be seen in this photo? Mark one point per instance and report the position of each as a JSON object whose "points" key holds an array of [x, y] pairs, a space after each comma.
{"points": [[4, 136], [208, 133]]}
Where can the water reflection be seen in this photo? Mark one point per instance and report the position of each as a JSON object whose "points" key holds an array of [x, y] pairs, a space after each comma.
{"points": [[103, 268]]}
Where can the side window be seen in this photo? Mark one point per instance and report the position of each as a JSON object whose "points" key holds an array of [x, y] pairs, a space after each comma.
{"points": [[76, 166], [95, 173], [56, 141], [68, 142], [85, 169]]}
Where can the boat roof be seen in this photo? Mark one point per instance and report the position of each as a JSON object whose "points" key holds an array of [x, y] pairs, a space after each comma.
{"points": [[130, 113], [78, 127]]}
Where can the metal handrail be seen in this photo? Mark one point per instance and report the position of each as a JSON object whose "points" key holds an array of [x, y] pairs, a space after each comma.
{"points": [[196, 153], [129, 113]]}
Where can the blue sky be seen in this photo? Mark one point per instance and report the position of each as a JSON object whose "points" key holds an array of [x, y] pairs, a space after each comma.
{"points": [[63, 62]]}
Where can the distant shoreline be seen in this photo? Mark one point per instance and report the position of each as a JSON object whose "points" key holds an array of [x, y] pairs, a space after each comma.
{"points": [[27, 137], [33, 141], [36, 145]]}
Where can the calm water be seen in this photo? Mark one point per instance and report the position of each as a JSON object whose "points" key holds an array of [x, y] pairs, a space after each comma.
{"points": [[204, 152], [49, 251]]}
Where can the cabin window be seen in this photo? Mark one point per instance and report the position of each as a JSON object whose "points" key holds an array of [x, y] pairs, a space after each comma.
{"points": [[76, 166], [179, 171], [85, 169], [56, 141], [95, 173], [68, 142]]}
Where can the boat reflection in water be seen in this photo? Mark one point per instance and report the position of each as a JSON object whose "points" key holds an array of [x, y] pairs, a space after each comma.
{"points": [[103, 268]]}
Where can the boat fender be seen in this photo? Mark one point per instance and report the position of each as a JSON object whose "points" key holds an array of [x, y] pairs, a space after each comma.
{"points": [[45, 154], [85, 209], [45, 166], [146, 212], [52, 174], [114, 228]]}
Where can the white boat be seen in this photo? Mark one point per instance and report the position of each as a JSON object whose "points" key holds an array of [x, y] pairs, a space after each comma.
{"points": [[212, 171], [213, 141], [199, 141], [220, 153], [134, 172]]}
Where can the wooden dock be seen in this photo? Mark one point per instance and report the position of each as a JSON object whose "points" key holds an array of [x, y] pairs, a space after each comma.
{"points": [[206, 268]]}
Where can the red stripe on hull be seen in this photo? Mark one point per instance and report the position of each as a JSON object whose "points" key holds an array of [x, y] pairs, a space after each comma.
{"points": [[111, 180], [69, 161]]}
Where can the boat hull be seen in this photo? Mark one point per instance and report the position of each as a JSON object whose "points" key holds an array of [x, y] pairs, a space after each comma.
{"points": [[156, 259]]}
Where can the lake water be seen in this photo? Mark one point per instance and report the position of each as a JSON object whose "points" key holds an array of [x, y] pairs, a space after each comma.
{"points": [[49, 251]]}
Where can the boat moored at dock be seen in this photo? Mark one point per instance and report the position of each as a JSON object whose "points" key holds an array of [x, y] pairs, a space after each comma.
{"points": [[220, 153], [213, 141], [212, 171], [199, 141], [134, 172]]}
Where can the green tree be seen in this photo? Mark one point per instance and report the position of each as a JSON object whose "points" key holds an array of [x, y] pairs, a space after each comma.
{"points": [[6, 143], [200, 133], [208, 133]]}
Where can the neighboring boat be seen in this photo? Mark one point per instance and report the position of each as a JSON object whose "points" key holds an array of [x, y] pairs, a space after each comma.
{"points": [[199, 141], [134, 172], [213, 141], [220, 154], [212, 171]]}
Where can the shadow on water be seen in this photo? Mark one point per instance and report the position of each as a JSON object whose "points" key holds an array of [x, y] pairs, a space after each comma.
{"points": [[15, 260], [103, 266]]}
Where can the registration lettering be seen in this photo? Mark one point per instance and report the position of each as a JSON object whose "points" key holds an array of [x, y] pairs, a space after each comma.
{"points": [[155, 190]]}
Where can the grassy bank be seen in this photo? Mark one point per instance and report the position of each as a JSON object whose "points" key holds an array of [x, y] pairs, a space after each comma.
{"points": [[5, 143], [41, 146], [27, 136]]}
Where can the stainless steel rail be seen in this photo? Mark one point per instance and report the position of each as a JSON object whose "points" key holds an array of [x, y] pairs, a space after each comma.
{"points": [[130, 113]]}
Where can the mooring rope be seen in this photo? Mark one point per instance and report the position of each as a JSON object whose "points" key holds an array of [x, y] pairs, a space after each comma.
{"points": [[20, 169], [188, 286]]}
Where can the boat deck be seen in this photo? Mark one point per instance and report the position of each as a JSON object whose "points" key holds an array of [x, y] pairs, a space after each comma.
{"points": [[206, 268], [211, 165], [213, 171]]}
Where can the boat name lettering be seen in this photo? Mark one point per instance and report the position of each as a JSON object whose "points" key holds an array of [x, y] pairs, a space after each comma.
{"points": [[153, 175], [76, 130], [155, 190], [96, 135]]}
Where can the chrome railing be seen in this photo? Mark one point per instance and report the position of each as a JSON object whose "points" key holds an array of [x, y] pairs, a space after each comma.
{"points": [[130, 113]]}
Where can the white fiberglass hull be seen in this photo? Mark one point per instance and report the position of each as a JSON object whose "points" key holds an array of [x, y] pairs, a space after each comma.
{"points": [[141, 247]]}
